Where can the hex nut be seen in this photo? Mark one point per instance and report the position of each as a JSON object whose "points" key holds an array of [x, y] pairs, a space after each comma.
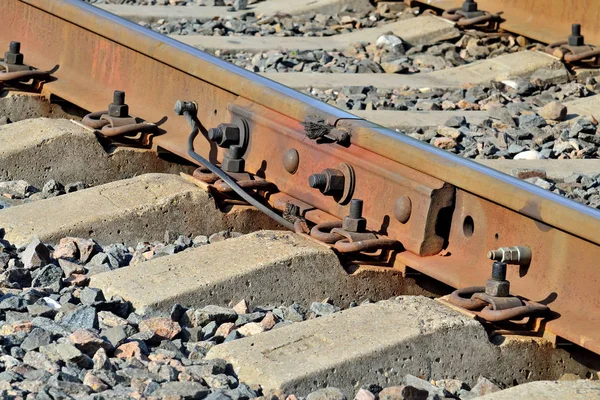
{"points": [[233, 165], [118, 110], [231, 135], [497, 288], [354, 224], [13, 58]]}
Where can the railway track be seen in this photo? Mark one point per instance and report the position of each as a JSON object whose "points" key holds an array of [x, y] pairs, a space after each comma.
{"points": [[98, 301]]}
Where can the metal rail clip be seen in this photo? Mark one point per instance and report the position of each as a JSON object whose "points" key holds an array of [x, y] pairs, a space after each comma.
{"points": [[492, 301], [116, 121], [574, 50], [468, 15], [15, 71], [350, 236]]}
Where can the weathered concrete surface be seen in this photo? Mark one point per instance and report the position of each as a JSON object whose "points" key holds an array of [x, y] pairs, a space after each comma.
{"points": [[17, 106], [521, 64], [549, 390], [583, 107], [271, 7], [381, 343], [264, 267], [128, 211], [405, 120], [415, 31], [555, 169], [37, 150]]}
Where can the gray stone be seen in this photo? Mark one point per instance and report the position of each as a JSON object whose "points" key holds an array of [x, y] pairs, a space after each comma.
{"points": [[208, 331], [18, 189], [418, 383], [531, 121], [41, 310], [17, 278], [12, 302], [70, 267], [502, 114], [35, 255], [117, 335], [83, 317], [37, 337], [41, 361], [89, 296], [50, 326], [456, 121], [49, 276], [215, 313], [320, 309]]}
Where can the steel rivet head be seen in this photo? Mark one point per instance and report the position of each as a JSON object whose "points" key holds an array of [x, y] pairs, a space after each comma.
{"points": [[403, 209], [291, 160]]}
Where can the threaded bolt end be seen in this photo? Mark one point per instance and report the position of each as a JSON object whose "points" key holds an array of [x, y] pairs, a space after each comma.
{"points": [[317, 181], [119, 97], [356, 208], [14, 47], [499, 271], [215, 134], [576, 29]]}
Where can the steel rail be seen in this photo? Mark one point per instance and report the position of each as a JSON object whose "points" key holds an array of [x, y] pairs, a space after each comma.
{"points": [[544, 20], [457, 205]]}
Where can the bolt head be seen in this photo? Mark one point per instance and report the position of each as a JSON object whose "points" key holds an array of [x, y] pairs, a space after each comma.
{"points": [[403, 209], [183, 106], [354, 224], [291, 160], [497, 288]]}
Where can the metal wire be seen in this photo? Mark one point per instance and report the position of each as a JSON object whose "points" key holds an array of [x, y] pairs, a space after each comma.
{"points": [[226, 178]]}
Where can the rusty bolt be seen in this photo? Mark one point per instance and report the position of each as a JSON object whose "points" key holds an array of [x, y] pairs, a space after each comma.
{"points": [[13, 55], [469, 6], [291, 160], [497, 285], [118, 108], [354, 222], [575, 38], [329, 182], [233, 161], [225, 135], [185, 106], [517, 255], [403, 209]]}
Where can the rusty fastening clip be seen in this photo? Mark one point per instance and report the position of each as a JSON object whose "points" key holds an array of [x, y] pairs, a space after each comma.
{"points": [[15, 71], [350, 236], [116, 120], [245, 180], [468, 15], [493, 302], [574, 50]]}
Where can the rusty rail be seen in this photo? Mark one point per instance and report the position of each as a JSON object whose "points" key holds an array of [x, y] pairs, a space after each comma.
{"points": [[547, 21], [432, 202]]}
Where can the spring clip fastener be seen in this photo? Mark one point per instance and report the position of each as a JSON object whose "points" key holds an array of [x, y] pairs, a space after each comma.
{"points": [[493, 302], [116, 121], [574, 50], [468, 16], [350, 236]]}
